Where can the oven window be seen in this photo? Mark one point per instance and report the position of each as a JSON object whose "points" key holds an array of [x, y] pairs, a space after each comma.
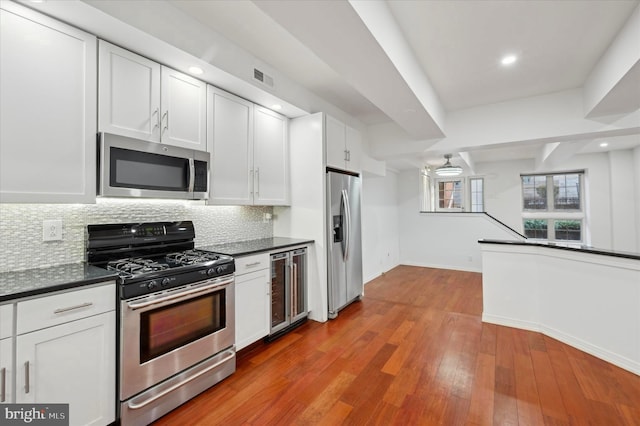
{"points": [[165, 329]]}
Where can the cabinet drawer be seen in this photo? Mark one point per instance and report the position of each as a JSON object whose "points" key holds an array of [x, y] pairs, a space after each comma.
{"points": [[252, 263], [6, 320], [60, 308]]}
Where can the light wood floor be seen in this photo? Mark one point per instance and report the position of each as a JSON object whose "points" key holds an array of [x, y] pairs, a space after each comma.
{"points": [[415, 352]]}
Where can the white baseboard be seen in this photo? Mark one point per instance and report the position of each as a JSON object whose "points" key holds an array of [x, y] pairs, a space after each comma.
{"points": [[439, 266], [606, 355]]}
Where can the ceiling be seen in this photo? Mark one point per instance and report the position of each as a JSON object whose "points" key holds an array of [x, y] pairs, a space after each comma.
{"points": [[415, 62]]}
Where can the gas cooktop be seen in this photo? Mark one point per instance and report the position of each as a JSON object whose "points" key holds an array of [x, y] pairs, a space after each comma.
{"points": [[153, 256]]}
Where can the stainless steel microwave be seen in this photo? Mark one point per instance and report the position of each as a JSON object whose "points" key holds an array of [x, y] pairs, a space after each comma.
{"points": [[130, 167]]}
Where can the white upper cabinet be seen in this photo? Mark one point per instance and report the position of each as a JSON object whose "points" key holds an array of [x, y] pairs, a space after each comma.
{"points": [[142, 99], [184, 110], [129, 94], [249, 150], [353, 145], [270, 158], [230, 139], [47, 109], [335, 132], [343, 145]]}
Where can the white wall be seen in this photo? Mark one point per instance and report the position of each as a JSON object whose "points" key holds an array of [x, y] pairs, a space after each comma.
{"points": [[609, 195], [380, 225], [622, 195], [502, 189], [441, 240], [612, 198], [589, 301]]}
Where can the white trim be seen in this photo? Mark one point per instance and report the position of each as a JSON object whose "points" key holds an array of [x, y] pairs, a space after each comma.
{"points": [[440, 266], [570, 340]]}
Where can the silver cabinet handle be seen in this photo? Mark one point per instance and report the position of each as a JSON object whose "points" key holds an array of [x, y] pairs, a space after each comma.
{"points": [[258, 181], [251, 265], [26, 377], [71, 308], [157, 114], [3, 380], [166, 114], [251, 182]]}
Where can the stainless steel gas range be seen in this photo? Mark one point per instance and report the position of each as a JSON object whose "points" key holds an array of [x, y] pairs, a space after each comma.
{"points": [[176, 314]]}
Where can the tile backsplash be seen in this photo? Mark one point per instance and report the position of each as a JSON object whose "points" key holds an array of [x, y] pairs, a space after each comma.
{"points": [[21, 245]]}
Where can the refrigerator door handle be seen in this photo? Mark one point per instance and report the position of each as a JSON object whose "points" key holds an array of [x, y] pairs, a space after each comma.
{"points": [[347, 231]]}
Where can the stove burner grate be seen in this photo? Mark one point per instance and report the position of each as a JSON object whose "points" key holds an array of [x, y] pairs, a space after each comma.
{"points": [[191, 257], [136, 266]]}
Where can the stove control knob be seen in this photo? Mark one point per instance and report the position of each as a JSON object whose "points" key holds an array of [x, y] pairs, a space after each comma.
{"points": [[220, 269], [164, 282], [211, 271], [152, 284]]}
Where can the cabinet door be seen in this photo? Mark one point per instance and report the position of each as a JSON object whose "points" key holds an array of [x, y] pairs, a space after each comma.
{"points": [[252, 307], [129, 94], [229, 140], [335, 142], [70, 363], [6, 371], [354, 150], [6, 321], [184, 110], [47, 109], [270, 158]]}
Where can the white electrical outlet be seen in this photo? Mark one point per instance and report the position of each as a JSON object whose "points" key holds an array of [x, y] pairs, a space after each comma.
{"points": [[52, 230]]}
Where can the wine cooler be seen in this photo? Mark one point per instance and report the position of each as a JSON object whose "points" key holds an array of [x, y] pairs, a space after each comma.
{"points": [[288, 290]]}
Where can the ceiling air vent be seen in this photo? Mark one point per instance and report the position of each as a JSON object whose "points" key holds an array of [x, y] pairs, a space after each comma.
{"points": [[262, 77]]}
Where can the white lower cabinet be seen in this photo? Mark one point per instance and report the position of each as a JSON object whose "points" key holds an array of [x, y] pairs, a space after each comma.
{"points": [[6, 370], [252, 299], [65, 353]]}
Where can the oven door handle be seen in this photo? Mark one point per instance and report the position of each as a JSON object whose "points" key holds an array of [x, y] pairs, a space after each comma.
{"points": [[180, 295], [146, 402]]}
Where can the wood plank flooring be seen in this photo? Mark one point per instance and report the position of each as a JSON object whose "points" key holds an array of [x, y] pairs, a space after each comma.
{"points": [[414, 351]]}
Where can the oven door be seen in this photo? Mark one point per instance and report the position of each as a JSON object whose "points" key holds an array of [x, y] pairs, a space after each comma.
{"points": [[167, 332]]}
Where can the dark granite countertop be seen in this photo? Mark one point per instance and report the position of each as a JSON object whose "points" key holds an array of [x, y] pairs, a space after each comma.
{"points": [[243, 248], [31, 282], [582, 249]]}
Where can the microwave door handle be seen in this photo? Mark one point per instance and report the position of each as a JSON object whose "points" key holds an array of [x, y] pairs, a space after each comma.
{"points": [[192, 175]]}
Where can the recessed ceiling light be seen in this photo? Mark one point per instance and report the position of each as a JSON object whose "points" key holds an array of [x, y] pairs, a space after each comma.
{"points": [[604, 144], [508, 60], [195, 70], [277, 107]]}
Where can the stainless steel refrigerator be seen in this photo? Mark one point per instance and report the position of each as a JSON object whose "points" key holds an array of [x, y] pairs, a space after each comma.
{"points": [[344, 241]]}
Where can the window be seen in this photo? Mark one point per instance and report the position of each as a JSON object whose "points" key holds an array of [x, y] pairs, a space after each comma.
{"points": [[451, 194], [553, 206], [477, 194]]}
